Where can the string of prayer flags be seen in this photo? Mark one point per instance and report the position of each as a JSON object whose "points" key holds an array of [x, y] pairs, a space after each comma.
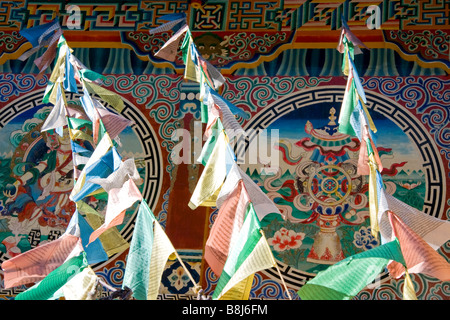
{"points": [[150, 249], [251, 253], [48, 288], [346, 278], [35, 264], [419, 256]]}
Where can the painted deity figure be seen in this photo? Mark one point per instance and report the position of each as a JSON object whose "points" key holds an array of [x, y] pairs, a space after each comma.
{"points": [[38, 204]]}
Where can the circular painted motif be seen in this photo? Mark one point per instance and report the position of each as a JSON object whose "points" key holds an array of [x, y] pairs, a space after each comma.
{"points": [[37, 173], [317, 186]]}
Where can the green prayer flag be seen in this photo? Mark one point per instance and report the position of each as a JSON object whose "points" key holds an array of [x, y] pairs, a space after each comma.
{"points": [[208, 148], [343, 280], [137, 271], [348, 105], [47, 287], [250, 253]]}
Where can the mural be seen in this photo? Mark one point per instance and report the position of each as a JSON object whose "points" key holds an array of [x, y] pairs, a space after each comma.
{"points": [[283, 71]]}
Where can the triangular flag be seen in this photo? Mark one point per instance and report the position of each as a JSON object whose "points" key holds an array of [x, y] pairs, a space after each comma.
{"points": [[408, 288], [172, 21], [191, 70], [356, 43], [113, 123], [348, 104], [260, 201], [57, 117], [106, 95], [207, 149], [251, 253], [345, 279], [126, 170]]}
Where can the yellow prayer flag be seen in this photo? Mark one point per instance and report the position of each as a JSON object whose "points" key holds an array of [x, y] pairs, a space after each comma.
{"points": [[408, 288], [241, 291], [212, 177]]}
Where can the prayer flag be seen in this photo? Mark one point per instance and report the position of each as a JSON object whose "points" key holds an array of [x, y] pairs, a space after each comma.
{"points": [[408, 288], [356, 43], [215, 131], [150, 249], [79, 227], [213, 174], [250, 254], [126, 170], [226, 227], [57, 117], [345, 279], [169, 50], [106, 95], [101, 150], [35, 264], [347, 107], [260, 201], [119, 200], [434, 231], [172, 20], [419, 256], [373, 197], [102, 168], [49, 286], [191, 71], [83, 286], [111, 239]]}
